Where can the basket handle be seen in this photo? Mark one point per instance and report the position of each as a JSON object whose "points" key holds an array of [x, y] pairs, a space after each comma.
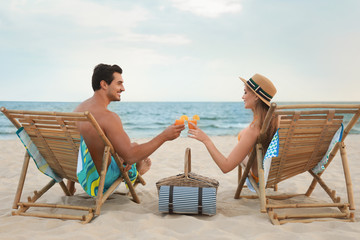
{"points": [[187, 163]]}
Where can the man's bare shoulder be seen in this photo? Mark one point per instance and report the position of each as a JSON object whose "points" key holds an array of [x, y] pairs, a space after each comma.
{"points": [[109, 121], [101, 114], [109, 116], [84, 106]]}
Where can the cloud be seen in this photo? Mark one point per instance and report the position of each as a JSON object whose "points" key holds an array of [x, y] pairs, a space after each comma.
{"points": [[172, 39], [80, 19], [208, 8], [78, 12]]}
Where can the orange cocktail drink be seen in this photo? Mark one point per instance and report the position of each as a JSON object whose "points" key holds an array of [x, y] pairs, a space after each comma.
{"points": [[182, 120], [194, 120], [190, 125], [179, 121]]}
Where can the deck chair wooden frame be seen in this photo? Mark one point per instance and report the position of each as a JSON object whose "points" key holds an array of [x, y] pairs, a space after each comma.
{"points": [[305, 132], [57, 138]]}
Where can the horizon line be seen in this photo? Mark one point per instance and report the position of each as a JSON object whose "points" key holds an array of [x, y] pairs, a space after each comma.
{"points": [[287, 101]]}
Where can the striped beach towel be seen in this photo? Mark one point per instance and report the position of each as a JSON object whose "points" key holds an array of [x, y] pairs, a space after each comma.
{"points": [[34, 153]]}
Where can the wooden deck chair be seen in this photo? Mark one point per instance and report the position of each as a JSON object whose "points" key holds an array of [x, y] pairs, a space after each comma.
{"points": [[57, 139], [304, 136]]}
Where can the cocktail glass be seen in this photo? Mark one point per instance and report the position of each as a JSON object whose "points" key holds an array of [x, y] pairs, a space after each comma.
{"points": [[190, 125]]}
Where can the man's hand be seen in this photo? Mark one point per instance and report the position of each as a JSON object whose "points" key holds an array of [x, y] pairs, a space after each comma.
{"points": [[172, 132]]}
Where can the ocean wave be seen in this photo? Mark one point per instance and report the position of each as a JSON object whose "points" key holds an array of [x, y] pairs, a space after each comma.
{"points": [[211, 118], [7, 129], [224, 126], [148, 119], [141, 128]]}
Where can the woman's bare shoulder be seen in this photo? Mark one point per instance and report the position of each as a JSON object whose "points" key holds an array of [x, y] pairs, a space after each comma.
{"points": [[251, 131]]}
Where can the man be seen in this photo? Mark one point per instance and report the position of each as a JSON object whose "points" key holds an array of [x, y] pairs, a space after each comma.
{"points": [[108, 84]]}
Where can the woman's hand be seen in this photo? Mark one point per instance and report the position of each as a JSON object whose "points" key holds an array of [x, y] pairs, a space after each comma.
{"points": [[198, 134]]}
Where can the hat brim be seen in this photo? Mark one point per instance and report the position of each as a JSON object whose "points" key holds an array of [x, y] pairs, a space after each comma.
{"points": [[262, 99], [244, 80]]}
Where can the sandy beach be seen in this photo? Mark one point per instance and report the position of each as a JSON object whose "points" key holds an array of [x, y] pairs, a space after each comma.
{"points": [[121, 218]]}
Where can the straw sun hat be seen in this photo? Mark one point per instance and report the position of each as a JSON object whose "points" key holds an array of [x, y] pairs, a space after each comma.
{"points": [[261, 86]]}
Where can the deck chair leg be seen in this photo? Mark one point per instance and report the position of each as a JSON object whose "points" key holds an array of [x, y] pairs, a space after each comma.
{"points": [[331, 193], [141, 180], [314, 182], [126, 178], [241, 184], [349, 187], [239, 174], [21, 180], [36, 196], [311, 188], [65, 189], [102, 180], [273, 217], [131, 189], [244, 175], [262, 196]]}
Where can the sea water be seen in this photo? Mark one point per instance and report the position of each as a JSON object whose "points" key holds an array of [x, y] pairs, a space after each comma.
{"points": [[147, 119]]}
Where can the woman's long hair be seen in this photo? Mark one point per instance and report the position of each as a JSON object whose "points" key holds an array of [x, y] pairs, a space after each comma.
{"points": [[260, 112]]}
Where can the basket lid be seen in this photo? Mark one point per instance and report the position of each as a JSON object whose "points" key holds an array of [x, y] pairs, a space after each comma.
{"points": [[188, 178]]}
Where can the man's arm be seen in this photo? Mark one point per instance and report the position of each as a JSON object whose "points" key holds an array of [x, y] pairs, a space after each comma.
{"points": [[114, 130]]}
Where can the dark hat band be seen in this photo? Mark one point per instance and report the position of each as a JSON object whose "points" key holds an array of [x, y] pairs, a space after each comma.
{"points": [[252, 84]]}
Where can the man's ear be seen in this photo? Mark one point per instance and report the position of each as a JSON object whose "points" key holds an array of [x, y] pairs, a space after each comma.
{"points": [[103, 84]]}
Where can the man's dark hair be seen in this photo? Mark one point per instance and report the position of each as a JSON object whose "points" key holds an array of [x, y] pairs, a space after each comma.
{"points": [[104, 72]]}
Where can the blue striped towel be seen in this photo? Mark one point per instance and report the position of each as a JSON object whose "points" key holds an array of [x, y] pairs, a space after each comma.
{"points": [[34, 153], [185, 200]]}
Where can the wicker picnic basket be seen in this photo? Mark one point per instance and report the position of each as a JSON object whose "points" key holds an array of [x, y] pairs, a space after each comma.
{"points": [[187, 193]]}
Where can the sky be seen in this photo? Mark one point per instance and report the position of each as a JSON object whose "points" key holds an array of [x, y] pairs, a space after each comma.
{"points": [[180, 50]]}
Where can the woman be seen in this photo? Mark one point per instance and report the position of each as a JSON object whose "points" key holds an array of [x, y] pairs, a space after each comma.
{"points": [[258, 92]]}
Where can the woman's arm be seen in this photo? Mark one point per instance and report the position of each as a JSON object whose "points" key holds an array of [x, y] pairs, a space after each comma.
{"points": [[237, 155]]}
